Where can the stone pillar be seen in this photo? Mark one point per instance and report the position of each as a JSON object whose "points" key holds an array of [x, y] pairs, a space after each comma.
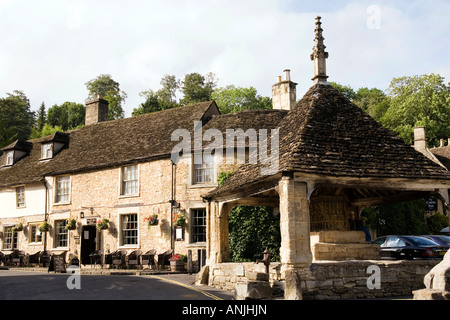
{"points": [[295, 248], [219, 249]]}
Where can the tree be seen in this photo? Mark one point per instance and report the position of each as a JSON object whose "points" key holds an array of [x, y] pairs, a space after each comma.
{"points": [[167, 94], [151, 104], [252, 230], [233, 99], [419, 101], [197, 88], [373, 101], [16, 118], [346, 91], [399, 218], [69, 115], [109, 90], [41, 117]]}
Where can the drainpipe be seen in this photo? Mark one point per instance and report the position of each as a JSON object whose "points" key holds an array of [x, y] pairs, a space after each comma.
{"points": [[45, 213], [172, 203]]}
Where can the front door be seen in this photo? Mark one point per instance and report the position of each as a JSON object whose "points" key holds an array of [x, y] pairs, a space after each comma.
{"points": [[88, 243]]}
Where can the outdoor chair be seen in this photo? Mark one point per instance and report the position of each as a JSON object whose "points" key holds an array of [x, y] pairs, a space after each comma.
{"points": [[118, 258], [108, 259], [163, 258], [133, 258], [33, 259], [148, 258], [95, 258], [17, 258], [44, 259]]}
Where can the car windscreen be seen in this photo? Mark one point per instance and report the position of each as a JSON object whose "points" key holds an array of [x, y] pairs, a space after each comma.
{"points": [[446, 239], [419, 241]]}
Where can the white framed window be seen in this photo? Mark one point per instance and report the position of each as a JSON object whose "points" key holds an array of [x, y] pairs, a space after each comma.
{"points": [[47, 151], [35, 234], [9, 158], [62, 192], [61, 233], [129, 229], [20, 197], [204, 173], [198, 225], [9, 238], [129, 177]]}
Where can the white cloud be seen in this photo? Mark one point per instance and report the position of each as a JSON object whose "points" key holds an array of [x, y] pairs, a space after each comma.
{"points": [[74, 20], [55, 47]]}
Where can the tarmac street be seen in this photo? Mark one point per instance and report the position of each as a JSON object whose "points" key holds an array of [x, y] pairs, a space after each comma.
{"points": [[26, 285]]}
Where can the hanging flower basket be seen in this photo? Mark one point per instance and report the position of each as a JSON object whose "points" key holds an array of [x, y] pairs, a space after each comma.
{"points": [[18, 227], [179, 219], [44, 227], [152, 220], [71, 224], [102, 224]]}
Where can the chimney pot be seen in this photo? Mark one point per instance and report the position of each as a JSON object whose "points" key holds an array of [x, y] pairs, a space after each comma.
{"points": [[284, 92], [442, 143]]}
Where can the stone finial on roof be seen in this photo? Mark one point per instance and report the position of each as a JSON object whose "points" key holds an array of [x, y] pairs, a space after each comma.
{"points": [[319, 55]]}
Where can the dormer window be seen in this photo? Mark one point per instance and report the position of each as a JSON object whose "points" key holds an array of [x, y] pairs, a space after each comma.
{"points": [[15, 151], [53, 144], [9, 158], [47, 151]]}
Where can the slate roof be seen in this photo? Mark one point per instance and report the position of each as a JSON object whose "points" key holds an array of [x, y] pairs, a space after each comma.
{"points": [[118, 142], [328, 135], [108, 144], [443, 155]]}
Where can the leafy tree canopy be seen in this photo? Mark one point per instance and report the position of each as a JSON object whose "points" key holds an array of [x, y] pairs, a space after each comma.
{"points": [[16, 118], [234, 99], [419, 101], [109, 90]]}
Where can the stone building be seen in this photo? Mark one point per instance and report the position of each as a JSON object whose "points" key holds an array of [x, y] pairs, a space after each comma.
{"points": [[324, 160], [334, 160], [121, 170]]}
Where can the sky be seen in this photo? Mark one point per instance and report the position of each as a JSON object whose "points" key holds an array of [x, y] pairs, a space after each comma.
{"points": [[49, 49]]}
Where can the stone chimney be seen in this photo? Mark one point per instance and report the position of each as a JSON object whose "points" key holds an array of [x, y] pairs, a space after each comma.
{"points": [[284, 92], [96, 111], [420, 143]]}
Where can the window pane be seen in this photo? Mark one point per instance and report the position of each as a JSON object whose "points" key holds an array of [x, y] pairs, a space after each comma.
{"points": [[129, 180], [10, 158], [47, 151], [20, 196], [63, 189], [204, 173], [9, 239], [34, 236], [61, 233], [198, 225], [129, 229]]}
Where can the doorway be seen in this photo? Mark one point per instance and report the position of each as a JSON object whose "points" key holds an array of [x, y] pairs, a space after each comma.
{"points": [[88, 243]]}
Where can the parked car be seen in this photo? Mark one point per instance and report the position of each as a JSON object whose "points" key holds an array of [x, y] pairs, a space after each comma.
{"points": [[440, 240], [409, 247]]}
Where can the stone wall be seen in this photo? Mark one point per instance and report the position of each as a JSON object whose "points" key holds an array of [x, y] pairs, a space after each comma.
{"points": [[97, 194], [342, 245], [337, 279]]}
